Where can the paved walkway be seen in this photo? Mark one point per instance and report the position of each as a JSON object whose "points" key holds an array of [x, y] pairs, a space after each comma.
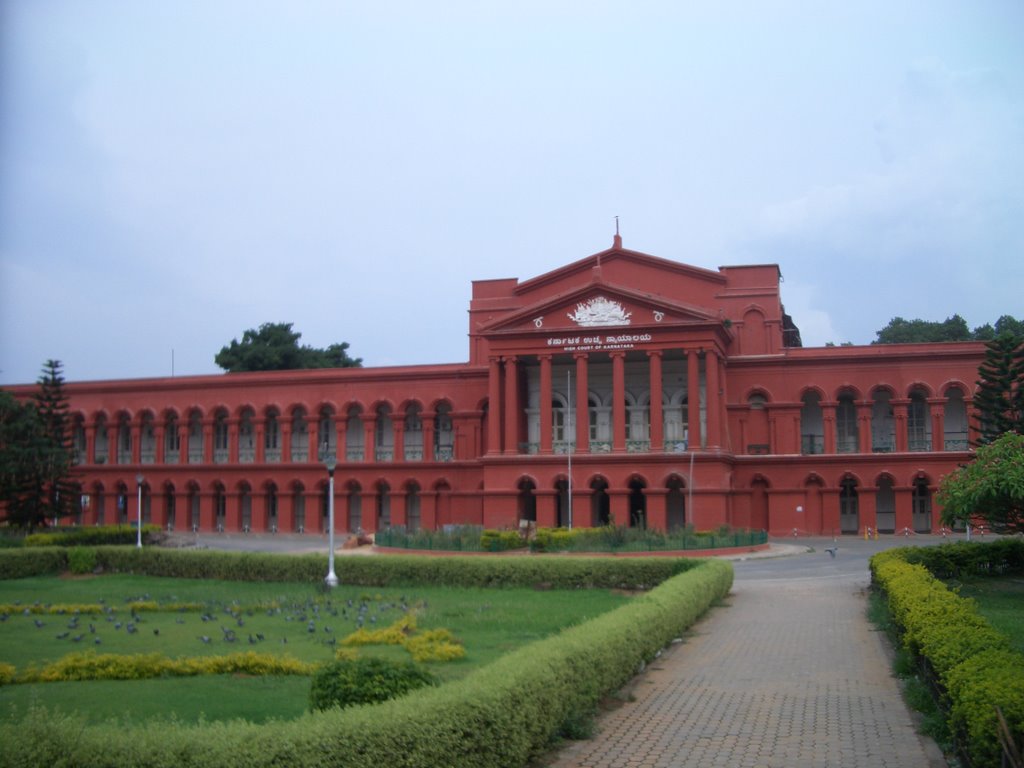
{"points": [[790, 674]]}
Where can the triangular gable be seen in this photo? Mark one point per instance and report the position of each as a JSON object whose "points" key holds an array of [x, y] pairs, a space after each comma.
{"points": [[613, 259], [600, 304]]}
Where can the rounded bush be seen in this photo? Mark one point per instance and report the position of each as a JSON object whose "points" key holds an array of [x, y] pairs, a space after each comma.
{"points": [[347, 682]]}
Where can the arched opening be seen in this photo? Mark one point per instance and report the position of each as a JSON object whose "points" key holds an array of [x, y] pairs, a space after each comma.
{"points": [[170, 506], [272, 437], [921, 500], [355, 508], [270, 507], [759, 504], [78, 440], [172, 440], [637, 503], [883, 425], [220, 507], [413, 433], [919, 423], [413, 513], [195, 438], [600, 503], [885, 505], [247, 437], [562, 503], [122, 504], [385, 435], [102, 447], [444, 438], [383, 505], [124, 439], [326, 434], [99, 501], [812, 425], [192, 500], [354, 434], [955, 420], [245, 506], [221, 439], [675, 503], [847, 435], [849, 508], [298, 508], [147, 439], [300, 435], [527, 500]]}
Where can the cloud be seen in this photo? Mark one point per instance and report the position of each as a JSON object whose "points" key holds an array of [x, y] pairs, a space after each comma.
{"points": [[915, 235]]}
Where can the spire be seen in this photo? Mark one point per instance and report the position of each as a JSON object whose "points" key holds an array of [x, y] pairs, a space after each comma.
{"points": [[617, 242]]}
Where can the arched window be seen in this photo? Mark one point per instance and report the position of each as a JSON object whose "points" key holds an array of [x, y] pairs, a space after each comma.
{"points": [[172, 440], [195, 438], [300, 436], [385, 435], [955, 420], [600, 503], [444, 435], [170, 504], [413, 433], [270, 500], [221, 445], [78, 442], [413, 514], [326, 434], [812, 425], [919, 423], [102, 447], [124, 440], [885, 506], [354, 439], [220, 507], [849, 508], [299, 508], [883, 426], [147, 440], [272, 437], [246, 437], [846, 424], [921, 501]]}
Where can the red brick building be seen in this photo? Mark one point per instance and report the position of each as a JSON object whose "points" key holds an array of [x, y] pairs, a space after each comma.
{"points": [[661, 394]]}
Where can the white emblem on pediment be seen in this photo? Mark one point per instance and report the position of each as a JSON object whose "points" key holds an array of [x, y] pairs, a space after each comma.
{"points": [[600, 311]]}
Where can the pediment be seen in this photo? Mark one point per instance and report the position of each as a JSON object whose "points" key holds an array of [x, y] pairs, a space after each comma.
{"points": [[600, 305]]}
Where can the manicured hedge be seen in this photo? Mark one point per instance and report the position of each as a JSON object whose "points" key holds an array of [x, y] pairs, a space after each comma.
{"points": [[972, 662], [504, 714], [392, 570], [92, 536]]}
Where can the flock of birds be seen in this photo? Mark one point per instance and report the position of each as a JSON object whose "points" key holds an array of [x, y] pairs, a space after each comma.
{"points": [[318, 617]]}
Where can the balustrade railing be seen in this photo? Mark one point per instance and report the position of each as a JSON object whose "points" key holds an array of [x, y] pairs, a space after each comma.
{"points": [[812, 444]]}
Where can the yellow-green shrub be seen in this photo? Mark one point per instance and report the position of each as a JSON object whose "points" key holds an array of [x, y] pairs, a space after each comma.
{"points": [[6, 673], [89, 665], [972, 661], [434, 645]]}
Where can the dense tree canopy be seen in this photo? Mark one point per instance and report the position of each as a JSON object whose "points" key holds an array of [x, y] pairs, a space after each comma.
{"points": [[999, 399], [275, 347], [901, 331], [991, 487], [35, 454]]}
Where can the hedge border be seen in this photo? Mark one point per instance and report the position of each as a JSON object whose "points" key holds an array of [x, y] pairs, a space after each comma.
{"points": [[972, 662], [502, 715]]}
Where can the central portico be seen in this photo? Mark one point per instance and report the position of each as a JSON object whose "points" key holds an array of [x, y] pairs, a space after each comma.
{"points": [[613, 357]]}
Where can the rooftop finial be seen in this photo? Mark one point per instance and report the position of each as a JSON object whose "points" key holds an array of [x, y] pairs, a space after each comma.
{"points": [[617, 242]]}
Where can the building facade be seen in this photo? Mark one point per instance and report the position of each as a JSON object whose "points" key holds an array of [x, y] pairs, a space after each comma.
{"points": [[620, 388]]}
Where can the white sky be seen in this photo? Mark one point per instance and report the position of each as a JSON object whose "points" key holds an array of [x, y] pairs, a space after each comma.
{"points": [[173, 173]]}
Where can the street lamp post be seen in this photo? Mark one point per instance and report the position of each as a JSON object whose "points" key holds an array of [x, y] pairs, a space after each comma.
{"points": [[332, 578], [138, 481]]}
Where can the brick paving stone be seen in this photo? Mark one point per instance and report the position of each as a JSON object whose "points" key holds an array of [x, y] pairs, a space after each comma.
{"points": [[789, 674]]}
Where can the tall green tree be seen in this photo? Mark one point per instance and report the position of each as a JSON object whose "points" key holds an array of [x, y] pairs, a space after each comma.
{"points": [[999, 399], [900, 331], [991, 487], [275, 347], [35, 454]]}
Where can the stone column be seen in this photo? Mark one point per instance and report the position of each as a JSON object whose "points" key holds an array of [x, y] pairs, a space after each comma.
{"points": [[370, 438], [618, 401], [428, 435], [545, 404], [136, 432], [582, 404], [937, 410], [693, 399], [828, 417], [657, 509], [657, 418], [494, 406], [714, 399], [511, 405], [899, 412], [259, 428], [286, 448], [158, 444], [232, 440], [207, 426]]}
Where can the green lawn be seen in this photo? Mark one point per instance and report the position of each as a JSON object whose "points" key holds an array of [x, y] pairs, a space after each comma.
{"points": [[299, 620], [1001, 601]]}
